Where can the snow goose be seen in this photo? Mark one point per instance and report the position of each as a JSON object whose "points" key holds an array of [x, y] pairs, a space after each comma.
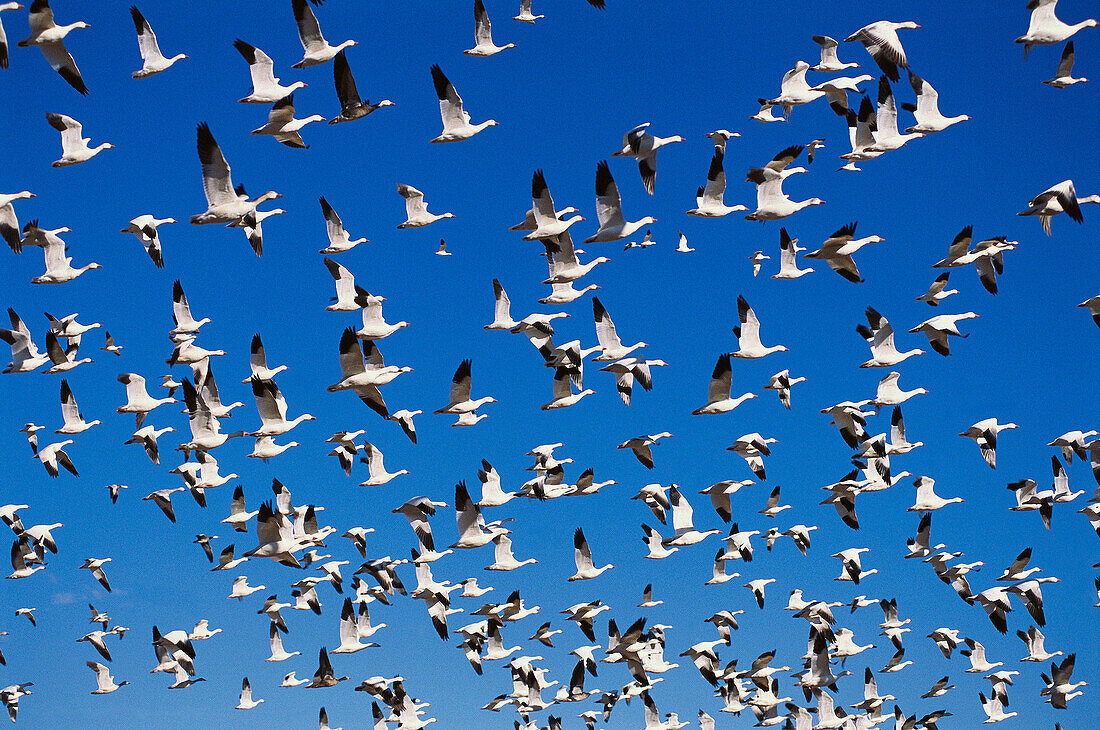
{"points": [[781, 383], [752, 447], [880, 336], [788, 257], [442, 250], [349, 631], [238, 513], [9, 224], [564, 265], [20, 567], [74, 420], [710, 197], [1036, 651], [757, 587], [748, 334], [282, 125], [525, 15], [338, 239], [758, 258], [718, 392], [1063, 77], [186, 352], [640, 445], [404, 419], [52, 455], [720, 493], [152, 60], [163, 499], [272, 408], [104, 681], [643, 146], [684, 529], [563, 393], [838, 248], [456, 120], [352, 107], [772, 507], [852, 570], [718, 572], [138, 400], [265, 448], [50, 39], [629, 369], [682, 244], [1092, 304], [582, 554], [938, 328], [829, 61], [886, 133], [374, 325], [993, 707], [1044, 27], [861, 133], [502, 308], [63, 359], [610, 343], [609, 212], [416, 210], [223, 204], [483, 33], [265, 86], [460, 402], [144, 227], [491, 493], [74, 147], [937, 291], [771, 202], [96, 567], [1073, 442], [363, 371], [720, 137], [1060, 198], [349, 297], [546, 220], [377, 467], [29, 613], [794, 91], [927, 109], [4, 55], [246, 702], [765, 113], [503, 559], [316, 49], [881, 41], [258, 362], [646, 242], [927, 500], [181, 314]]}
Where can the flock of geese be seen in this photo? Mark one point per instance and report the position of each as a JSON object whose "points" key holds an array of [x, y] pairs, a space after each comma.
{"points": [[812, 692]]}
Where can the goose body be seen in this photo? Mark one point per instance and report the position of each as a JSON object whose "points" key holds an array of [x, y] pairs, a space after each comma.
{"points": [[50, 39], [609, 212], [352, 107], [456, 120], [927, 110], [265, 86], [316, 50], [152, 60], [416, 210], [1045, 28], [144, 228], [709, 199], [643, 146], [1063, 77], [282, 125], [718, 393], [483, 33], [881, 41], [223, 203], [74, 146]]}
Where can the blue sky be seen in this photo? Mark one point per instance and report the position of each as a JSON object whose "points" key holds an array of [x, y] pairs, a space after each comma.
{"points": [[575, 83]]}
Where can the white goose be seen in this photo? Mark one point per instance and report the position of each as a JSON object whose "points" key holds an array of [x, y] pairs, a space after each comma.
{"points": [[362, 371], [886, 133], [491, 493], [881, 41], [765, 113], [282, 125], [771, 202], [74, 146], [416, 210], [53, 454], [749, 346], [460, 402], [1060, 198], [927, 109], [1063, 77], [502, 309], [349, 297], [612, 347], [564, 265], [338, 239], [547, 222], [74, 420], [880, 336], [709, 199], [582, 554], [788, 257], [375, 326], [781, 383], [9, 224], [525, 15], [563, 393], [144, 228], [456, 120], [50, 39], [63, 359], [643, 146], [138, 400], [794, 91], [272, 407], [316, 50], [1045, 28], [205, 428], [838, 248], [938, 290], [223, 203], [889, 394], [265, 86], [181, 313], [503, 559], [377, 467], [927, 500], [609, 211], [152, 60], [483, 33], [718, 393], [105, 683], [937, 329], [830, 63], [4, 55], [279, 654]]}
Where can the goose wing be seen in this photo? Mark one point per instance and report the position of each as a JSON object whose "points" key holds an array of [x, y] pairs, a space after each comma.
{"points": [[414, 200], [721, 379], [450, 103], [309, 32], [460, 383], [346, 90], [216, 180], [605, 328], [147, 39], [609, 210]]}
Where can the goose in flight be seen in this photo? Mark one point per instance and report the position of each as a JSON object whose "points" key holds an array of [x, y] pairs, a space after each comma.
{"points": [[54, 454], [138, 400], [788, 257], [838, 248], [338, 239], [375, 326], [352, 107], [282, 125], [646, 242], [765, 113], [927, 500], [1092, 304], [442, 250], [1060, 198], [460, 402], [272, 407], [181, 314], [163, 499], [880, 336], [63, 359], [105, 683], [257, 361], [718, 392], [710, 203], [609, 211], [74, 146], [4, 54], [938, 328], [416, 210], [829, 61], [246, 702], [927, 109], [74, 419], [525, 15], [886, 133], [96, 567], [564, 265], [59, 268], [1063, 77], [316, 50], [265, 86], [758, 258], [563, 393], [640, 445], [377, 467], [794, 90], [483, 33], [50, 39], [643, 146], [456, 120], [781, 383], [503, 559], [771, 202], [9, 224], [1044, 27], [611, 345], [881, 41], [752, 447], [363, 370], [749, 346], [938, 290], [582, 554], [223, 204], [547, 223], [152, 60], [21, 551], [144, 228]]}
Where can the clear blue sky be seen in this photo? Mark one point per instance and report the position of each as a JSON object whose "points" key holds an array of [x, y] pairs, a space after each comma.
{"points": [[575, 83]]}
